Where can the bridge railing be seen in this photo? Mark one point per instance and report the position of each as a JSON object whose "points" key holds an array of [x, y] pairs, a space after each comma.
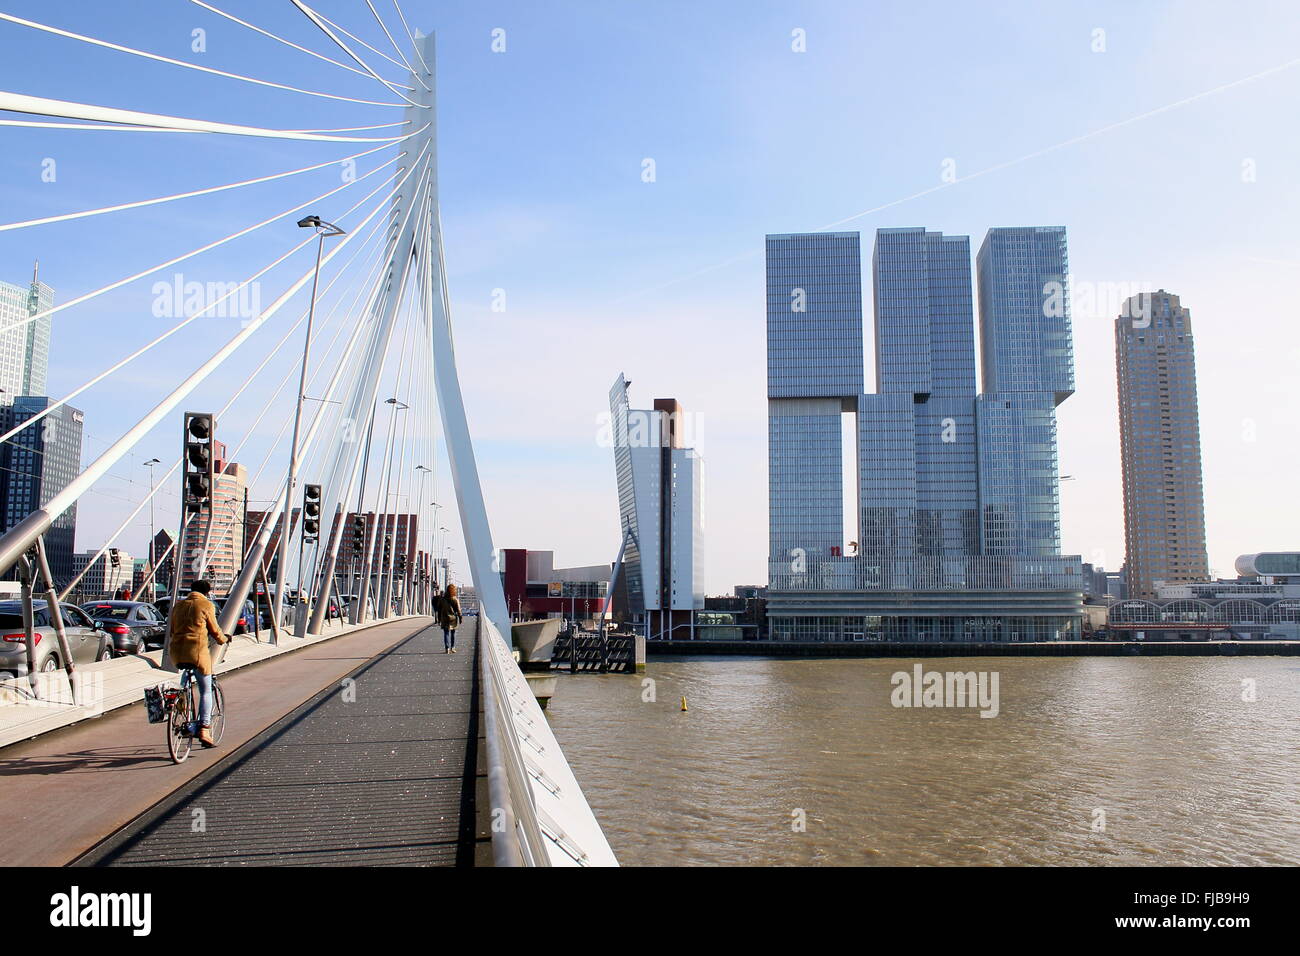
{"points": [[539, 816]]}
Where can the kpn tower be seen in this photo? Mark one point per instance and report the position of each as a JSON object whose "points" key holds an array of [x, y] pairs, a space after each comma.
{"points": [[953, 530]]}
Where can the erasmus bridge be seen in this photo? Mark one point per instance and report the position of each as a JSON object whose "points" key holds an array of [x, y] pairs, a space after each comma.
{"points": [[434, 758]]}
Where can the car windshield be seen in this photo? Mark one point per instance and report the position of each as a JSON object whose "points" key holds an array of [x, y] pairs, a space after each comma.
{"points": [[108, 612]]}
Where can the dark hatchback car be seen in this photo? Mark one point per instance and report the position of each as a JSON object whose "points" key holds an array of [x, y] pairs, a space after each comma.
{"points": [[133, 626]]}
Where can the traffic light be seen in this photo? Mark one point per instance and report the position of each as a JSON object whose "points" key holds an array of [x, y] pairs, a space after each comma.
{"points": [[401, 563], [359, 535], [200, 462], [310, 513], [388, 547]]}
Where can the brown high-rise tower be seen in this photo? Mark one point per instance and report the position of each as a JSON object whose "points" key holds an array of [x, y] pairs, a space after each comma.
{"points": [[1160, 444]]}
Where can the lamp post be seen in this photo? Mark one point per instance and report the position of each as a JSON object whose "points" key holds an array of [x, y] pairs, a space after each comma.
{"points": [[442, 544], [323, 230], [149, 464]]}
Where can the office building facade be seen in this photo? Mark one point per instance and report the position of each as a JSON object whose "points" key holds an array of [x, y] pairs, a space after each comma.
{"points": [[108, 575], [957, 519], [660, 491], [35, 465], [1160, 445], [24, 339]]}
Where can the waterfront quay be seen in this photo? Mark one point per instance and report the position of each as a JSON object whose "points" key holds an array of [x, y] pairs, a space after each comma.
{"points": [[973, 648]]}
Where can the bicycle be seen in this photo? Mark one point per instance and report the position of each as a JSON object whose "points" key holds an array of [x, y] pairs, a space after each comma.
{"points": [[181, 705]]}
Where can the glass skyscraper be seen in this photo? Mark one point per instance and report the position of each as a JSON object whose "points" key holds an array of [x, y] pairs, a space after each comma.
{"points": [[958, 524], [24, 344], [814, 375], [35, 465], [660, 496]]}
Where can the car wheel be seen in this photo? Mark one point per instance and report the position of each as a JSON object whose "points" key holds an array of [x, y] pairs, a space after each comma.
{"points": [[106, 653], [51, 664]]}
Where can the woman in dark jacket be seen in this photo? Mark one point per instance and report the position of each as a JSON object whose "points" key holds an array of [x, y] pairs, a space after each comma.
{"points": [[449, 618]]}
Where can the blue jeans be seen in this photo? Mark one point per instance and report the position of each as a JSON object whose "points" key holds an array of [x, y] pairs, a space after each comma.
{"points": [[205, 698], [448, 637]]}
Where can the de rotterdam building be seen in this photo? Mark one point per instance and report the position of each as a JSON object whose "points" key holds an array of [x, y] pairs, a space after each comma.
{"points": [[953, 530]]}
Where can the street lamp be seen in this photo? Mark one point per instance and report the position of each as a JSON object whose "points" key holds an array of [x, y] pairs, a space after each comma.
{"points": [[324, 230], [149, 464]]}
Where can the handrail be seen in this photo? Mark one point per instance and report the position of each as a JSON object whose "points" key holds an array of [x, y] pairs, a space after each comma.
{"points": [[516, 836], [539, 814]]}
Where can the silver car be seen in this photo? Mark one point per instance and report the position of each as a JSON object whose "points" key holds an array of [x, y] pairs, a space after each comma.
{"points": [[86, 640]]}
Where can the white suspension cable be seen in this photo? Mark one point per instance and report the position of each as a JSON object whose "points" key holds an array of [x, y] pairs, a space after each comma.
{"points": [[189, 66], [405, 62], [280, 503], [319, 56], [324, 26], [44, 106], [158, 486], [21, 537], [372, 271], [4, 227], [170, 262], [411, 36], [186, 321], [34, 124]]}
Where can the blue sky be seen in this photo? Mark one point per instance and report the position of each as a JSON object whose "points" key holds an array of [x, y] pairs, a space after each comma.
{"points": [[541, 153]]}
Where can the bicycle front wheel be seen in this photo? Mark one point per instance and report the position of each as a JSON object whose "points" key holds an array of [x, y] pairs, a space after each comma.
{"points": [[179, 740], [218, 713]]}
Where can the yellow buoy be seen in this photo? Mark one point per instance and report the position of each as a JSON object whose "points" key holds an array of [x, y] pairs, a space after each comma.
{"points": [[684, 707]]}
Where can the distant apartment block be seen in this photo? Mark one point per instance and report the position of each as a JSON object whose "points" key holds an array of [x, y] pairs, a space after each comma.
{"points": [[106, 576], [220, 553], [1160, 445]]}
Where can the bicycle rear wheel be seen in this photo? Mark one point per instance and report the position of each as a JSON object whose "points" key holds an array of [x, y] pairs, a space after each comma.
{"points": [[218, 712], [179, 741]]}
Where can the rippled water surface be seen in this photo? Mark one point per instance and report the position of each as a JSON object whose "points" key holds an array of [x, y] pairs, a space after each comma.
{"points": [[1185, 770]]}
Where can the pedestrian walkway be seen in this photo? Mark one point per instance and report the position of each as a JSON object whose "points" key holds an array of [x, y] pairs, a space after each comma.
{"points": [[380, 768], [107, 685]]}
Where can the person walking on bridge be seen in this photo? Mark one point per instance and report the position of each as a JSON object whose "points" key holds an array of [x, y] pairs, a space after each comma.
{"points": [[194, 620], [449, 618]]}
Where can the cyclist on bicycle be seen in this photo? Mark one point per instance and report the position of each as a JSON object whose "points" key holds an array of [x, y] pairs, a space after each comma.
{"points": [[194, 620]]}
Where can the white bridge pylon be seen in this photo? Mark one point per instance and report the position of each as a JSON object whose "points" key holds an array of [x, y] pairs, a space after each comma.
{"points": [[413, 277], [415, 268]]}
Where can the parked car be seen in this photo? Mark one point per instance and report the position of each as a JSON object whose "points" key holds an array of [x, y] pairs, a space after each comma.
{"points": [[242, 624], [86, 640], [133, 626]]}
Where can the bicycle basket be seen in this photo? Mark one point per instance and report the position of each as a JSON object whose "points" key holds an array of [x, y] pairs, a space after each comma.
{"points": [[155, 707]]}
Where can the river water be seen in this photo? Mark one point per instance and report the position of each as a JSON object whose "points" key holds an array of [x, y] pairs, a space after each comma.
{"points": [[1149, 760]]}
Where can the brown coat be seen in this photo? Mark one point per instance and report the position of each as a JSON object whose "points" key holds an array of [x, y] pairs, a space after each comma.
{"points": [[449, 616], [194, 620]]}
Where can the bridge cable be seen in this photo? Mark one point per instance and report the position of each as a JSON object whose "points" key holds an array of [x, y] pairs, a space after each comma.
{"points": [[411, 36], [209, 307], [5, 227], [68, 109], [324, 25], [161, 483], [407, 63], [319, 56], [189, 66], [171, 262]]}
